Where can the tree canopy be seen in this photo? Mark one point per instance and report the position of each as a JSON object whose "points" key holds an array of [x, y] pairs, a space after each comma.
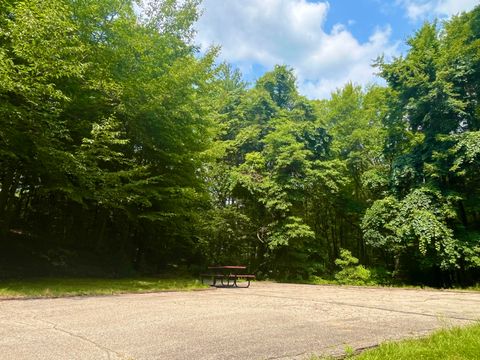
{"points": [[123, 149]]}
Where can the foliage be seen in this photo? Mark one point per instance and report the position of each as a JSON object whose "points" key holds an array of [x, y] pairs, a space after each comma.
{"points": [[432, 141], [104, 120], [418, 222], [120, 140], [350, 272]]}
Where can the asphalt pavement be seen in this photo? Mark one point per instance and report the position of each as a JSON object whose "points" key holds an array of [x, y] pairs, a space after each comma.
{"points": [[265, 321]]}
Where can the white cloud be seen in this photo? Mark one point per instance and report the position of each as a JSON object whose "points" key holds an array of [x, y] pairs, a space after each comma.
{"points": [[420, 9], [452, 7], [292, 32]]}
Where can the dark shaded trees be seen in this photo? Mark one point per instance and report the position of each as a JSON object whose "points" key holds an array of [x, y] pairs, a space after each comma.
{"points": [[103, 119]]}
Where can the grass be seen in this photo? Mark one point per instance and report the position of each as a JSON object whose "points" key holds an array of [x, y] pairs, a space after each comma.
{"points": [[60, 287], [447, 344], [454, 344], [476, 287]]}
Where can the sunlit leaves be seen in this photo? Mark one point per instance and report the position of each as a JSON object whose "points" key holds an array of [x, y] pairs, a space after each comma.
{"points": [[419, 221], [466, 151]]}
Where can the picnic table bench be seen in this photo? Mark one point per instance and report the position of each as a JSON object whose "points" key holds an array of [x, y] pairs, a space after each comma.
{"points": [[228, 275]]}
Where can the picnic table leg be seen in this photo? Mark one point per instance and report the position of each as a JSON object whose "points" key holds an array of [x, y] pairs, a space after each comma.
{"points": [[228, 281], [238, 286]]}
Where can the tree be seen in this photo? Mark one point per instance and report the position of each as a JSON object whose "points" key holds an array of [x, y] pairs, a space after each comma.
{"points": [[429, 122], [105, 117]]}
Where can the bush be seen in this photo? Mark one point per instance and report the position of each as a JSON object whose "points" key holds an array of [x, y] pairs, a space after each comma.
{"points": [[317, 280], [350, 272], [381, 276]]}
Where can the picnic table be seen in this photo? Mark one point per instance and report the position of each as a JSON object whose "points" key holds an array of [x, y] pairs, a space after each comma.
{"points": [[228, 275]]}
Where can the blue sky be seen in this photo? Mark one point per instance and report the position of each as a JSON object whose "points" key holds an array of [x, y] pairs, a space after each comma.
{"points": [[327, 43]]}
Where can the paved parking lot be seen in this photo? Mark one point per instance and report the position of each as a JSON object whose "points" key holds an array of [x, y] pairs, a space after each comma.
{"points": [[266, 321]]}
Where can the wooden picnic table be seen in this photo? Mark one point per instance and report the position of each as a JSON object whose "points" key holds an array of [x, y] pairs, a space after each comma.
{"points": [[227, 274], [228, 267]]}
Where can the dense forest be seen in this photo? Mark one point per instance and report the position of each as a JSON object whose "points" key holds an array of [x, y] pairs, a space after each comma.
{"points": [[123, 149]]}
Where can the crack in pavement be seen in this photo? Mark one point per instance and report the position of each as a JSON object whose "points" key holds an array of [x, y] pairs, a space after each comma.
{"points": [[339, 354], [56, 327], [287, 356], [367, 307], [402, 311]]}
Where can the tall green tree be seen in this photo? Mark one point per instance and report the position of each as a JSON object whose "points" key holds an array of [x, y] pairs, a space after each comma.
{"points": [[104, 117], [434, 112]]}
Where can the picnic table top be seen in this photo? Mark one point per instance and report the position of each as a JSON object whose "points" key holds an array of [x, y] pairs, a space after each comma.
{"points": [[228, 267]]}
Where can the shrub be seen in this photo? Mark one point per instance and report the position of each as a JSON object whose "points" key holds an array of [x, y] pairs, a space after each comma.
{"points": [[381, 276], [350, 272]]}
